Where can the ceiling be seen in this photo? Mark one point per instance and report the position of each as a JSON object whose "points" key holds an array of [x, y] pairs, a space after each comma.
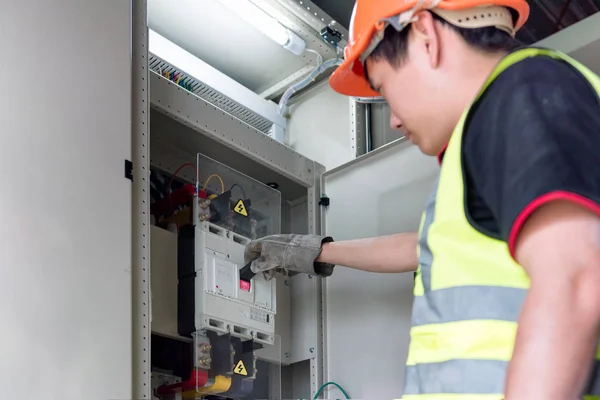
{"points": [[224, 40]]}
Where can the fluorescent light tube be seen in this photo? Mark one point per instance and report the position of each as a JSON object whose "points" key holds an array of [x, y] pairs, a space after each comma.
{"points": [[265, 23], [194, 67]]}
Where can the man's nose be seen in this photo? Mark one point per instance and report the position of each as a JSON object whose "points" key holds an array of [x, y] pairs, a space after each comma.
{"points": [[395, 123]]}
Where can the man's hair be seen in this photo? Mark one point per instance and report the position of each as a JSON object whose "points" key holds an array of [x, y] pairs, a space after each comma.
{"points": [[394, 46]]}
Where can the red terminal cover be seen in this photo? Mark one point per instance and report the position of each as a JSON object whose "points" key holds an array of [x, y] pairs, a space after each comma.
{"points": [[198, 379]]}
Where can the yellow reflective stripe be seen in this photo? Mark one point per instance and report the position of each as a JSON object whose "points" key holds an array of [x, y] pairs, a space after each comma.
{"points": [[457, 376], [490, 340], [470, 376], [468, 303]]}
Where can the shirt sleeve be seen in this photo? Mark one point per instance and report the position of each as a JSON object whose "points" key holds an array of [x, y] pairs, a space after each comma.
{"points": [[535, 138]]}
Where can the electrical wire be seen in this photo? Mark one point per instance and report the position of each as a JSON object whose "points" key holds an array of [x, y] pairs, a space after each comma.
{"points": [[173, 178], [327, 384], [241, 188], [319, 56], [305, 82], [220, 180]]}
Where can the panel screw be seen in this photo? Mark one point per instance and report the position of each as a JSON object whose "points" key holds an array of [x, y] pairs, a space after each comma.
{"points": [[287, 355], [286, 282], [205, 361], [312, 350], [205, 348]]}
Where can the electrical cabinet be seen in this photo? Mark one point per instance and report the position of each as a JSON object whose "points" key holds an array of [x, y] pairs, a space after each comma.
{"points": [[225, 184]]}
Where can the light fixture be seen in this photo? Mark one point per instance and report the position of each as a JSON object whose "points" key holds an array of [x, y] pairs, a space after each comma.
{"points": [[211, 77], [268, 25]]}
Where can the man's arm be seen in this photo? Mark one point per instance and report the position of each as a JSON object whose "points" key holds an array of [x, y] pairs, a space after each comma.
{"points": [[393, 253], [534, 160], [559, 247]]}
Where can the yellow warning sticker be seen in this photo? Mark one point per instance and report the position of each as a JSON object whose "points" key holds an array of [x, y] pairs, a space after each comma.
{"points": [[240, 208], [240, 369]]}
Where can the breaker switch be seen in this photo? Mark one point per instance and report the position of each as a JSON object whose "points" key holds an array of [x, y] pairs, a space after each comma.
{"points": [[246, 275]]}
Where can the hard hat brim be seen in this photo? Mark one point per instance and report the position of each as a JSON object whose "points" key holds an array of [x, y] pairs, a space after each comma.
{"points": [[348, 82]]}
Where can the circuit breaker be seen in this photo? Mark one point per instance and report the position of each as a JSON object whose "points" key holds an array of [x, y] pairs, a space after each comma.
{"points": [[224, 302], [228, 214]]}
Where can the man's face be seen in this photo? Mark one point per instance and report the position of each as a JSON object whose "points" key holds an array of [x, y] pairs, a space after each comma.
{"points": [[416, 91]]}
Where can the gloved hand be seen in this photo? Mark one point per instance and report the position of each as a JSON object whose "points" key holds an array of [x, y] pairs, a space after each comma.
{"points": [[287, 254]]}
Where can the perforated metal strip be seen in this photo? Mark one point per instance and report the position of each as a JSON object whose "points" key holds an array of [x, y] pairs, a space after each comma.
{"points": [[212, 96]]}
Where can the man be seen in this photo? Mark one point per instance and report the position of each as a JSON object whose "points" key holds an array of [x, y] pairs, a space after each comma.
{"points": [[507, 291]]}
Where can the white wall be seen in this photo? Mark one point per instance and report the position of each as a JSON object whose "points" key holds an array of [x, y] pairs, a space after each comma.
{"points": [[65, 206], [319, 127]]}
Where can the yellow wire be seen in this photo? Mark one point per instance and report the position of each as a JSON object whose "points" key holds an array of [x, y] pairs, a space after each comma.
{"points": [[220, 180]]}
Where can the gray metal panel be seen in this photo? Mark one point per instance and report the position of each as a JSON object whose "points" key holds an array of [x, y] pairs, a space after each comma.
{"points": [[66, 252], [367, 315], [381, 132], [314, 227], [341, 10], [319, 128], [316, 17], [307, 333], [206, 92], [210, 121], [174, 143], [163, 268], [283, 324], [358, 127], [140, 123]]}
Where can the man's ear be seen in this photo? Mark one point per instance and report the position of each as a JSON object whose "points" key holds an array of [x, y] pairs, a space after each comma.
{"points": [[426, 34]]}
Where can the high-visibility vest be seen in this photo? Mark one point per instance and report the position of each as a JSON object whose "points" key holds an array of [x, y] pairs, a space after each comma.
{"points": [[468, 291]]}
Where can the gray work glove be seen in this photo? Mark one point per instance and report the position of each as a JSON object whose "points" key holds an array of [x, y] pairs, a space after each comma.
{"points": [[288, 254]]}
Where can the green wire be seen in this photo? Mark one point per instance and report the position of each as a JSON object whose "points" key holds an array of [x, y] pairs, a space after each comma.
{"points": [[327, 384]]}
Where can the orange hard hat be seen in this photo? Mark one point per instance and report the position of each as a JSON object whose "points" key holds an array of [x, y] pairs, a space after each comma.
{"points": [[370, 18]]}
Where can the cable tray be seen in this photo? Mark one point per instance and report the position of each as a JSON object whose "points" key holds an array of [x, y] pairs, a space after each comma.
{"points": [[208, 94]]}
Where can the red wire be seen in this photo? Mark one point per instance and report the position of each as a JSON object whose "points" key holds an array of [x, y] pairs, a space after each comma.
{"points": [[173, 178]]}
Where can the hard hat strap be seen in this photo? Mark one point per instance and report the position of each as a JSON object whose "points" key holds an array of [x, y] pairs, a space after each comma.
{"points": [[480, 17]]}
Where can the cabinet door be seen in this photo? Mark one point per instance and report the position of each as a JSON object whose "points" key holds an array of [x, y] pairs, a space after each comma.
{"points": [[367, 315], [65, 206]]}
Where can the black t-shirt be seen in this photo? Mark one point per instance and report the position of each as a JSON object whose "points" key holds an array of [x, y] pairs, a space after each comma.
{"points": [[533, 137]]}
